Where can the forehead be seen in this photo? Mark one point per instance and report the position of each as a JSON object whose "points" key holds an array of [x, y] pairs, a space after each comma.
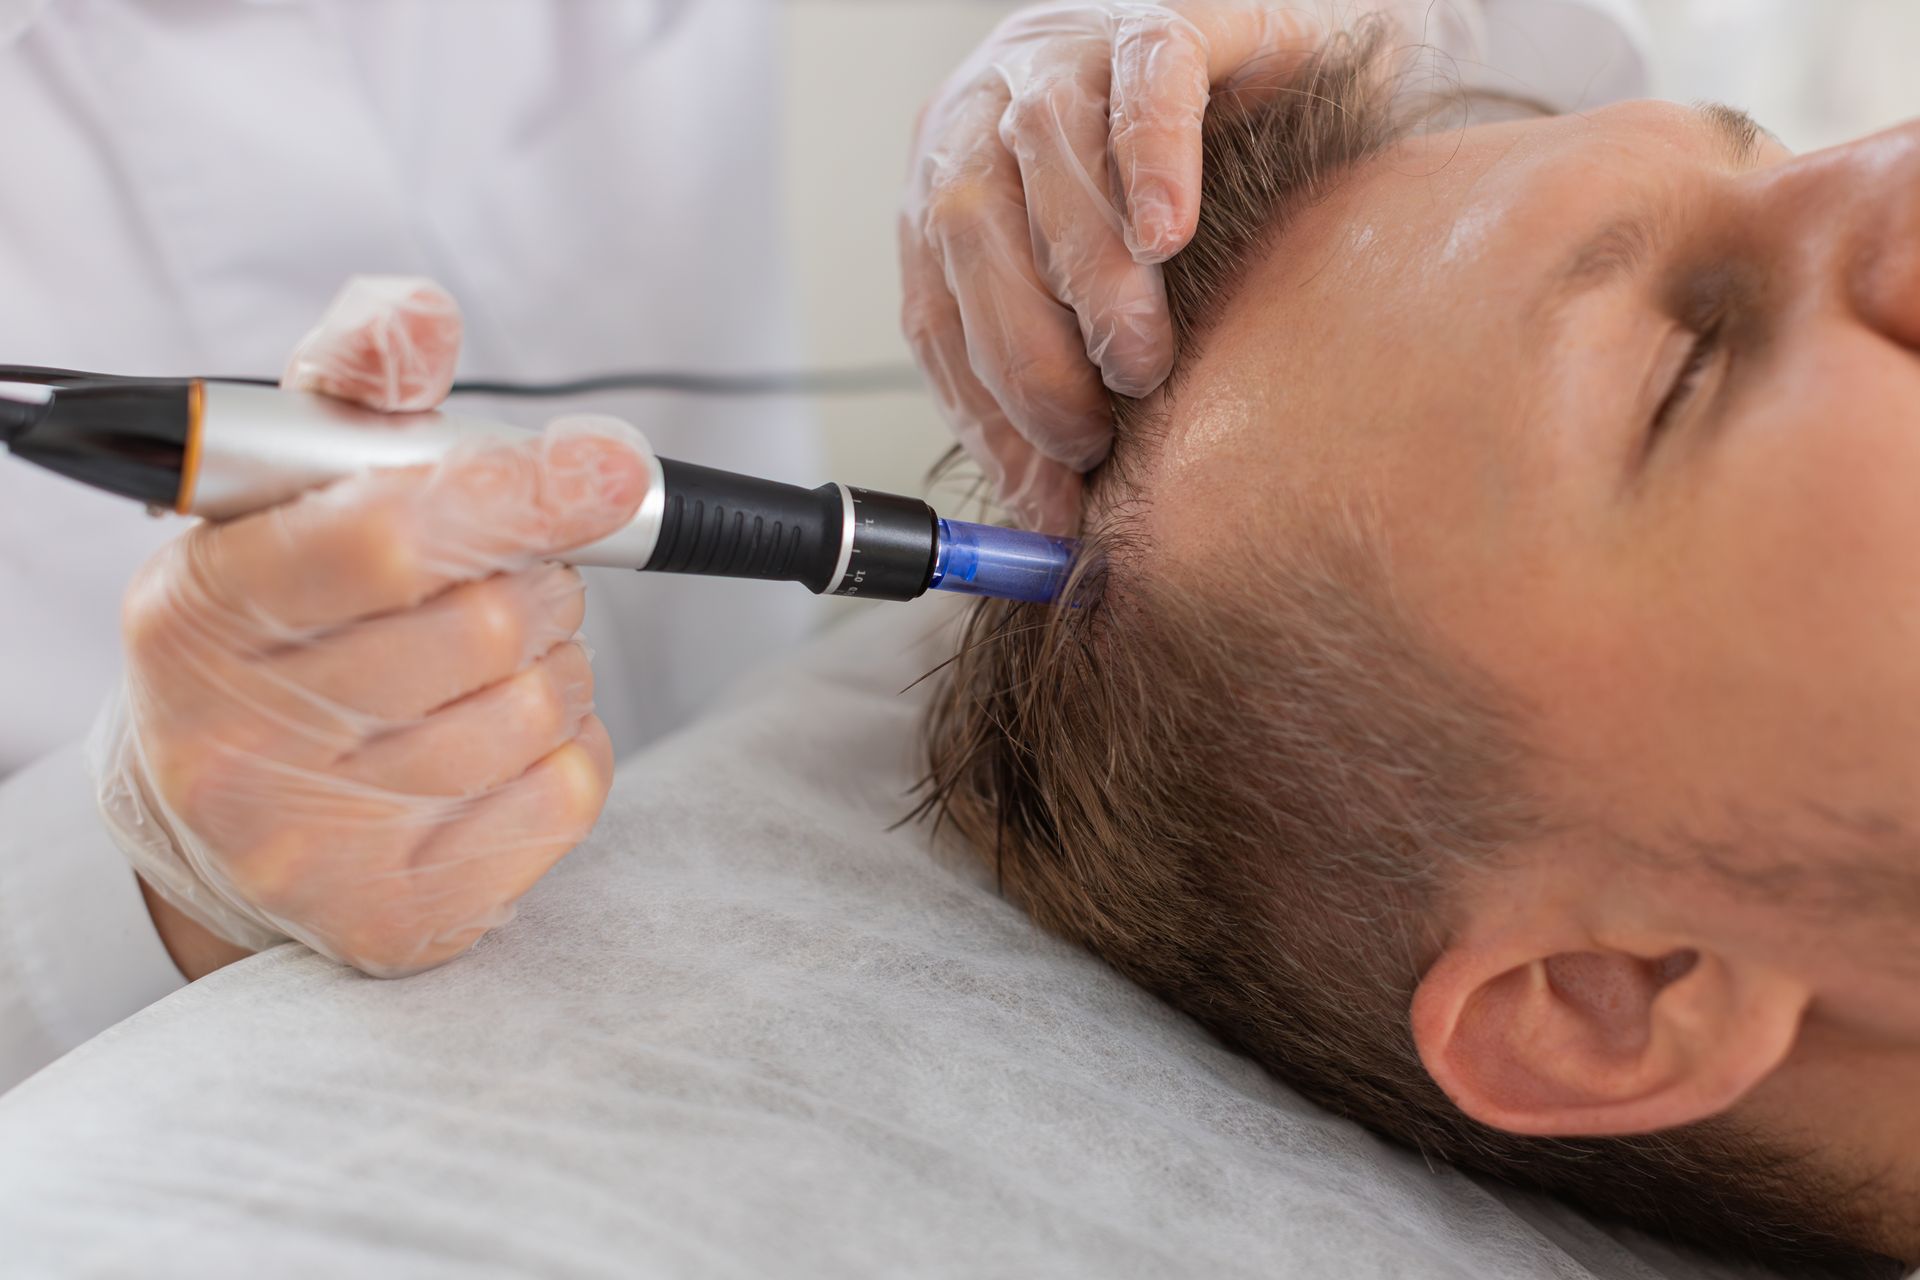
{"points": [[1390, 312], [1443, 198]]}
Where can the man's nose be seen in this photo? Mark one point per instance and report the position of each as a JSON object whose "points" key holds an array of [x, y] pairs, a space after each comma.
{"points": [[1854, 212]]}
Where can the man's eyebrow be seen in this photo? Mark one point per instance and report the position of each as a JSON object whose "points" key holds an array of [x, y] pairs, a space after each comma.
{"points": [[1739, 132], [1621, 247]]}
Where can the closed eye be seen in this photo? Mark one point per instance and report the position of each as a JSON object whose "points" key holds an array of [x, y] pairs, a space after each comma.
{"points": [[1705, 344]]}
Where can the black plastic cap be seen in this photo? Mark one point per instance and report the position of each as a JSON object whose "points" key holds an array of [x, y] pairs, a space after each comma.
{"points": [[125, 437], [895, 540], [17, 417]]}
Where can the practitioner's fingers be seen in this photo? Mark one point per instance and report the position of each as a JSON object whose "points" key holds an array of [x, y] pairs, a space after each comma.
{"points": [[401, 666], [468, 874], [966, 237], [230, 732], [1056, 127], [386, 342], [1167, 60], [392, 539], [1038, 491], [487, 739]]}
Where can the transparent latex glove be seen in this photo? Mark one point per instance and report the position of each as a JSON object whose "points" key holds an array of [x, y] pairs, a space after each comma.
{"points": [[363, 719], [387, 342], [1050, 176]]}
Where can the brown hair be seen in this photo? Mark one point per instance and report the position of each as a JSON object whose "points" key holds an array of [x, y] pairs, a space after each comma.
{"points": [[1249, 796]]}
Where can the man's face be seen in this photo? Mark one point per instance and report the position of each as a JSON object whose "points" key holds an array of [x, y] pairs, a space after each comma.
{"points": [[1635, 403]]}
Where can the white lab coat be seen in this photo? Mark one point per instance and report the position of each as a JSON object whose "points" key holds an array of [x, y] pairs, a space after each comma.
{"points": [[183, 185]]}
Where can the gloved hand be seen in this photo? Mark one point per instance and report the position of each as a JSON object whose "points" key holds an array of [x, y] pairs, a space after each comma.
{"points": [[1051, 175], [363, 719], [387, 342]]}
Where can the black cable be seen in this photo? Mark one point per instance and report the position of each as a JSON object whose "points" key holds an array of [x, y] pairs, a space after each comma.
{"points": [[869, 380]]}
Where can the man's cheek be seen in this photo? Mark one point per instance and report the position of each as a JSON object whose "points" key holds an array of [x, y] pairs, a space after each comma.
{"points": [[1804, 566]]}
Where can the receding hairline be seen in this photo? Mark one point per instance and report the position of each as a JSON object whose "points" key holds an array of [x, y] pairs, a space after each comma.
{"points": [[1269, 159], [1264, 159], [1616, 249]]}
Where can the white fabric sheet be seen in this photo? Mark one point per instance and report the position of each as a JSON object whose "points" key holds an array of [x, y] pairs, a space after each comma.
{"points": [[746, 1030], [78, 950]]}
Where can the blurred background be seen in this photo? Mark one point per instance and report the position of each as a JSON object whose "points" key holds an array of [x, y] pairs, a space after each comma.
{"points": [[1814, 71]]}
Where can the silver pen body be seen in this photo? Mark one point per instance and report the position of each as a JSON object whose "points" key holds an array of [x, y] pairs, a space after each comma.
{"points": [[254, 447]]}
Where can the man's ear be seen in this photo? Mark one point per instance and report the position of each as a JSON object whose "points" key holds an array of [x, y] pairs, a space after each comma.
{"points": [[1565, 1036]]}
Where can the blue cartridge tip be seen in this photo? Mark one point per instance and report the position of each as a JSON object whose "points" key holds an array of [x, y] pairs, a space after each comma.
{"points": [[1009, 564]]}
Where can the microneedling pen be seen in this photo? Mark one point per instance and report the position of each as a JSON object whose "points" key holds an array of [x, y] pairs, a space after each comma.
{"points": [[222, 449]]}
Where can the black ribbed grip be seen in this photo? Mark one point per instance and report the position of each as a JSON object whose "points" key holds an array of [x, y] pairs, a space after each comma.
{"points": [[722, 525]]}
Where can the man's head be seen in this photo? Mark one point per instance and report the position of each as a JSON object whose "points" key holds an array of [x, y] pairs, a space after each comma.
{"points": [[1493, 701]]}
